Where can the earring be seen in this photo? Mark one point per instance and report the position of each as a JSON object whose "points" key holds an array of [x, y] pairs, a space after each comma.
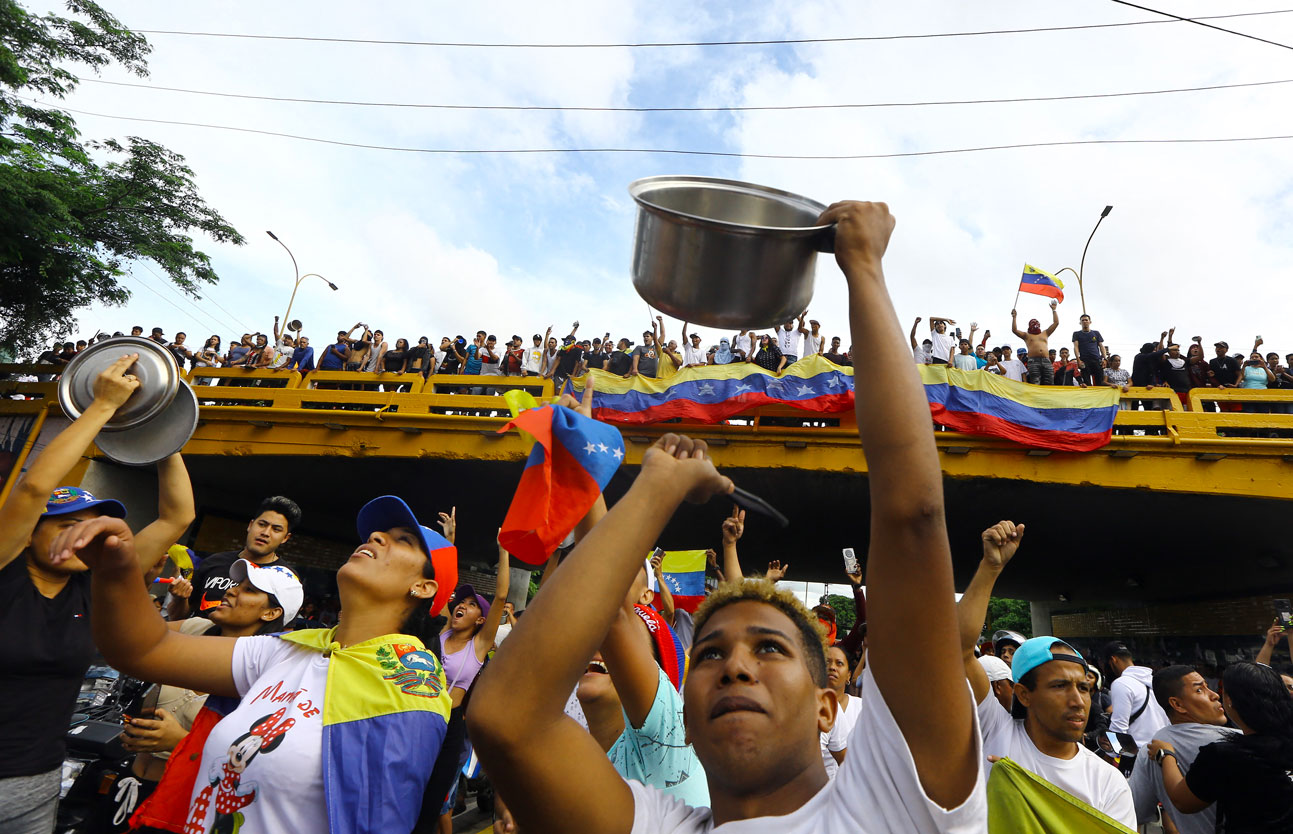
{"points": [[412, 593]]}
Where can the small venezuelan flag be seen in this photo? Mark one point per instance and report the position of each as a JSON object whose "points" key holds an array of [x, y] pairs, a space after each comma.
{"points": [[1041, 283], [572, 461], [684, 573]]}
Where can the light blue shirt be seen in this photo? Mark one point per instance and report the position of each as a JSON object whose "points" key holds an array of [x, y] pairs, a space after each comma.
{"points": [[657, 753]]}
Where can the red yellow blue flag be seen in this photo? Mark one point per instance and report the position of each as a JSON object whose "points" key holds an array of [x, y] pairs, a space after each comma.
{"points": [[684, 574], [1037, 282], [572, 461]]}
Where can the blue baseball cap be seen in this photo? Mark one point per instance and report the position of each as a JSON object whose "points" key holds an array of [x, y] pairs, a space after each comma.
{"points": [[1033, 653], [66, 500], [389, 511]]}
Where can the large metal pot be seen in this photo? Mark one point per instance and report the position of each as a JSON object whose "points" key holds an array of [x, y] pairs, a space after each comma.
{"points": [[723, 253]]}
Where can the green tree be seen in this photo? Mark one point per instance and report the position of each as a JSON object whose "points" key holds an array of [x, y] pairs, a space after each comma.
{"points": [[73, 212], [845, 616], [1013, 614]]}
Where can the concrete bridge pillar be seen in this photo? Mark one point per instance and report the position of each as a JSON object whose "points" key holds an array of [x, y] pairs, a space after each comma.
{"points": [[1041, 612]]}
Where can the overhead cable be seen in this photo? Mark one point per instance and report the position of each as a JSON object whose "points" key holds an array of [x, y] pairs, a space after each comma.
{"points": [[677, 151], [1199, 20], [719, 109], [657, 44]]}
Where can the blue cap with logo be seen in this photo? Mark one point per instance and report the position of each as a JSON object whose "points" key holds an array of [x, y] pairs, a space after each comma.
{"points": [[66, 500], [1036, 651]]}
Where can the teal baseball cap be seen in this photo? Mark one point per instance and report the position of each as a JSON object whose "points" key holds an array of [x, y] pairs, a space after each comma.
{"points": [[1038, 650]]}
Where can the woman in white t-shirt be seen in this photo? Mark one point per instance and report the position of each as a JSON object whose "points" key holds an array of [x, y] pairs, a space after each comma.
{"points": [[313, 702], [835, 743]]}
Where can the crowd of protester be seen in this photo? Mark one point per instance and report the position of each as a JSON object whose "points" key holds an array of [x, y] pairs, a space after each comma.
{"points": [[1085, 360], [601, 706]]}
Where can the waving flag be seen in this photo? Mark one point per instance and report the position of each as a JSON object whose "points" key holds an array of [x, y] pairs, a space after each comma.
{"points": [[1041, 416], [572, 461], [1041, 283], [713, 393], [684, 574], [975, 402], [1021, 802]]}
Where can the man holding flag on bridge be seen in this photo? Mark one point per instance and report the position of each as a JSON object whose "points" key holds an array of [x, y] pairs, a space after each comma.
{"points": [[1037, 282]]}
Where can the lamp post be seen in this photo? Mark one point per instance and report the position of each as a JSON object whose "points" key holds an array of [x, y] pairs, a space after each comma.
{"points": [[299, 277], [1082, 264]]}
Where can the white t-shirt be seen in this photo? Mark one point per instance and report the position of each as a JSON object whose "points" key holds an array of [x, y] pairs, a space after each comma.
{"points": [[812, 344], [1128, 692], [693, 356], [944, 344], [965, 362], [788, 340], [837, 740], [488, 368], [876, 790], [504, 629], [533, 356], [1085, 776], [264, 760], [1013, 369]]}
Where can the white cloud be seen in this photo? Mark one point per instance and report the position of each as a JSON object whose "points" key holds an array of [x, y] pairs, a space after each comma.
{"points": [[447, 244]]}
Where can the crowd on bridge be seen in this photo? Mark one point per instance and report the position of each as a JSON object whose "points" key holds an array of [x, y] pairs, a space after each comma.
{"points": [[1083, 360], [602, 705]]}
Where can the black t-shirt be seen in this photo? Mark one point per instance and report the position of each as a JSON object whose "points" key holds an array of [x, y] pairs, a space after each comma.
{"points": [[620, 362], [1143, 371], [1252, 790], [1088, 342], [49, 357], [46, 650], [450, 363], [211, 580], [569, 359], [393, 360], [418, 358], [1226, 369], [596, 359], [1177, 378]]}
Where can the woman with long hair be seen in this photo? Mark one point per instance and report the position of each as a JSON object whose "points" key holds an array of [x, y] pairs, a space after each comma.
{"points": [[320, 708], [45, 604], [209, 355], [1247, 776]]}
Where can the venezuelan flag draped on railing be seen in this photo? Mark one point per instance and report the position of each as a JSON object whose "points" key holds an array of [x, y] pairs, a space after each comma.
{"points": [[974, 402]]}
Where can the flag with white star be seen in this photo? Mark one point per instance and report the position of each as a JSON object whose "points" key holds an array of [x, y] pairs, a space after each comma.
{"points": [[572, 461]]}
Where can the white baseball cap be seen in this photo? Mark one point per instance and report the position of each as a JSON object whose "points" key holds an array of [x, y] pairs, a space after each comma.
{"points": [[272, 579], [996, 668]]}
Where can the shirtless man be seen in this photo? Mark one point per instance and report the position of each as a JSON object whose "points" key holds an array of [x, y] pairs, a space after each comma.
{"points": [[1040, 370]]}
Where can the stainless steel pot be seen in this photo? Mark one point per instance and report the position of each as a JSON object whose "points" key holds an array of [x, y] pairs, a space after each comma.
{"points": [[723, 253], [157, 420]]}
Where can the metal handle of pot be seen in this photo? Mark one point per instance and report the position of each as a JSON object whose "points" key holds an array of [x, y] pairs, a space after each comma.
{"points": [[824, 241]]}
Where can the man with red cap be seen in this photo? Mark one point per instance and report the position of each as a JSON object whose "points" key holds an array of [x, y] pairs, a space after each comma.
{"points": [[1040, 370]]}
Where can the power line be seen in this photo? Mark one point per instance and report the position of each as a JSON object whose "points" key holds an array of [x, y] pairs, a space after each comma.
{"points": [[1198, 20], [731, 109], [159, 295], [657, 44], [679, 152], [188, 300]]}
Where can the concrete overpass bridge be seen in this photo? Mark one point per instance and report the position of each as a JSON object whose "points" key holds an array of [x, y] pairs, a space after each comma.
{"points": [[1182, 510]]}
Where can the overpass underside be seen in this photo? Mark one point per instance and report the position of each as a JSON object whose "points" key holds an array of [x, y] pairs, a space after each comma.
{"points": [[1179, 506]]}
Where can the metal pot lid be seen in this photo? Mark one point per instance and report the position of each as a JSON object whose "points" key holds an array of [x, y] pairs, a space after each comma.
{"points": [[162, 437], [158, 373], [747, 208]]}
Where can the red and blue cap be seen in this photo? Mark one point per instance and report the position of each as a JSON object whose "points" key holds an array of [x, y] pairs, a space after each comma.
{"points": [[66, 500], [389, 511]]}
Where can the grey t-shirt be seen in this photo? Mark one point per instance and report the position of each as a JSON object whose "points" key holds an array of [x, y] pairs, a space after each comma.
{"points": [[648, 359], [1147, 778]]}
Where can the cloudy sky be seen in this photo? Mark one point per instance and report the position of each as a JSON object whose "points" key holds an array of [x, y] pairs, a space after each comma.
{"points": [[424, 244]]}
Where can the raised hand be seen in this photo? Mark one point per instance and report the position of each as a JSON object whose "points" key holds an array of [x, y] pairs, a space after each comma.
{"points": [[181, 587], [683, 462], [711, 558], [584, 405], [1000, 541], [100, 542], [862, 231], [657, 563], [734, 526], [777, 571], [114, 386], [449, 523], [1273, 635], [1054, 304]]}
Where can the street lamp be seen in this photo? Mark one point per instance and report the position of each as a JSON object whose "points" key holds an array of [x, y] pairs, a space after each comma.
{"points": [[1082, 264], [299, 277]]}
